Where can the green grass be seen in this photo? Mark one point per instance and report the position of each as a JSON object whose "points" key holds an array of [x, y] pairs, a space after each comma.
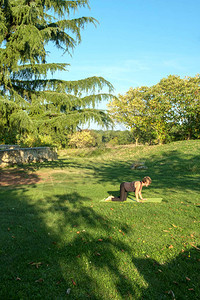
{"points": [[57, 235]]}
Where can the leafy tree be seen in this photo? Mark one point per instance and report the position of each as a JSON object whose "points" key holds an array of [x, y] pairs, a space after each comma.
{"points": [[184, 96], [31, 102], [156, 113], [131, 110]]}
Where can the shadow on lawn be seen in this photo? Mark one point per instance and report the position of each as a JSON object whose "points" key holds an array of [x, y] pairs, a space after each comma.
{"points": [[60, 243], [45, 259], [178, 279], [162, 168], [168, 170]]}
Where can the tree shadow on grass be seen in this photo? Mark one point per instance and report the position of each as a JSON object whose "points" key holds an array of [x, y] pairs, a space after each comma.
{"points": [[60, 244], [168, 170], [177, 279], [60, 163]]}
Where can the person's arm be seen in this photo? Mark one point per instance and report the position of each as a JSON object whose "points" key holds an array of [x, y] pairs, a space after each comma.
{"points": [[138, 189]]}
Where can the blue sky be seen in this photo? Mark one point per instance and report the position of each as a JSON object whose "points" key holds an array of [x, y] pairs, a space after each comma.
{"points": [[137, 42]]}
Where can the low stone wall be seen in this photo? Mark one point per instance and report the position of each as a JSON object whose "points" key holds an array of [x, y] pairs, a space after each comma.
{"points": [[6, 147], [26, 155]]}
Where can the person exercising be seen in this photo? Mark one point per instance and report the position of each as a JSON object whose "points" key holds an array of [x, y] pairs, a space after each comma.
{"points": [[134, 186]]}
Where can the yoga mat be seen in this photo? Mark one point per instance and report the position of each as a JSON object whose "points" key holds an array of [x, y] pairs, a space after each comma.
{"points": [[132, 200], [155, 200]]}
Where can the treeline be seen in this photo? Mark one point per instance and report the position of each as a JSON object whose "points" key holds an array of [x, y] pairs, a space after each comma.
{"points": [[98, 138], [167, 111]]}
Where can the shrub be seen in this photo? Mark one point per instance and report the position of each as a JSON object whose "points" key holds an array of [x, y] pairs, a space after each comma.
{"points": [[114, 141], [35, 141], [82, 139]]}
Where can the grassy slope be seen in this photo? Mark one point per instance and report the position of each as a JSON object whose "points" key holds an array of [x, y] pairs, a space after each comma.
{"points": [[57, 236]]}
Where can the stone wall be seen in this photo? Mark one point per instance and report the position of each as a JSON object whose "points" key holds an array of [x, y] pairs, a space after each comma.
{"points": [[6, 147], [13, 155]]}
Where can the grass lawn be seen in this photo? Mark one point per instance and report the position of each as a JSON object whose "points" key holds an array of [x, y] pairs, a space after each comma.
{"points": [[58, 241]]}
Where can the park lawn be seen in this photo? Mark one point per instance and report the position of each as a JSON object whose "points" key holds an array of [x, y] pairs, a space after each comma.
{"points": [[59, 241]]}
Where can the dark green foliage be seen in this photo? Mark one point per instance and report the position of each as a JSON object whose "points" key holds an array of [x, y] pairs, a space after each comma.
{"points": [[121, 137], [30, 102]]}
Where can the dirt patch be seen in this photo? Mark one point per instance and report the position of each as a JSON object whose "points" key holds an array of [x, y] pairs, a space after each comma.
{"points": [[8, 177], [21, 177]]}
